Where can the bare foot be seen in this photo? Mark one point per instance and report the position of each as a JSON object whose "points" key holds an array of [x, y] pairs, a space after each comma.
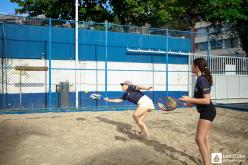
{"points": [[143, 135]]}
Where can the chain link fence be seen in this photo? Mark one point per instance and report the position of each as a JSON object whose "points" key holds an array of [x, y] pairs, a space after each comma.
{"points": [[52, 79]]}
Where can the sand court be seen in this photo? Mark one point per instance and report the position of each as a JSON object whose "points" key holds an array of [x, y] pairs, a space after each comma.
{"points": [[110, 138]]}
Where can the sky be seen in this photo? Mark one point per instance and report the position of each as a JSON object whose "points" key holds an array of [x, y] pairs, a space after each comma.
{"points": [[7, 7]]}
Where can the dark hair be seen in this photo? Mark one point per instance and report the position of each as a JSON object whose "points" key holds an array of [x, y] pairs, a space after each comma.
{"points": [[203, 67]]}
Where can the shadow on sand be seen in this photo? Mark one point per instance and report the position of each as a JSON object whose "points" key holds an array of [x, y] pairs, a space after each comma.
{"points": [[170, 151]]}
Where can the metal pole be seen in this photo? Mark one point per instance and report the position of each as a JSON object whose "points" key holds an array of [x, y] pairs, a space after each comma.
{"points": [[106, 61], [3, 62], [20, 89], [189, 90], [215, 85], [193, 40], [153, 77], [189, 61], [50, 64], [209, 49], [76, 50], [167, 62]]}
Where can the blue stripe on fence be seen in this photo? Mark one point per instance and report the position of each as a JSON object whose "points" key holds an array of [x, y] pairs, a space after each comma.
{"points": [[41, 100], [32, 42]]}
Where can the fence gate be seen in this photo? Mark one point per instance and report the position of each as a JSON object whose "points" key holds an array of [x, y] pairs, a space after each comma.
{"points": [[230, 78]]}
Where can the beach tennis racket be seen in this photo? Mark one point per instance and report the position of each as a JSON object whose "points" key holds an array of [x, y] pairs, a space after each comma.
{"points": [[170, 103], [96, 96]]}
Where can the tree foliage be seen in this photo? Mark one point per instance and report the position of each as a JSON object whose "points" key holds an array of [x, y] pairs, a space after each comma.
{"points": [[178, 14]]}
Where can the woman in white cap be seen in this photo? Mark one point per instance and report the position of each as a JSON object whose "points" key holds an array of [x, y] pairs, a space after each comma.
{"points": [[134, 95]]}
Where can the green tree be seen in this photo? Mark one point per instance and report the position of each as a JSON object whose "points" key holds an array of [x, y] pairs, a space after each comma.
{"points": [[138, 12], [89, 10], [177, 14], [135, 12], [233, 12]]}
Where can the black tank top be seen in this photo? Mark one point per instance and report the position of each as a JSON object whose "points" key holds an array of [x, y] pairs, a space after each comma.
{"points": [[133, 95], [202, 87]]}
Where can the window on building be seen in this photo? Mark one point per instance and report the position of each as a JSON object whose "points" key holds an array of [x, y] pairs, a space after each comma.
{"points": [[228, 43], [235, 42], [201, 32], [202, 46], [216, 44], [231, 43]]}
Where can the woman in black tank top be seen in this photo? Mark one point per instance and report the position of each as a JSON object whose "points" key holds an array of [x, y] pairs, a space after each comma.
{"points": [[204, 106]]}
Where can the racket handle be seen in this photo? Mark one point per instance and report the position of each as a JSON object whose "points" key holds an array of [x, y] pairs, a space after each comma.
{"points": [[187, 104], [180, 103]]}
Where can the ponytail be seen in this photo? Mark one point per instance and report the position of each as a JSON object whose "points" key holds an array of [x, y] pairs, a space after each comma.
{"points": [[208, 76], [202, 65]]}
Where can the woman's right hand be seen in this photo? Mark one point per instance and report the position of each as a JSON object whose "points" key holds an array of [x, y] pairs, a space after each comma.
{"points": [[185, 99], [189, 104], [106, 99]]}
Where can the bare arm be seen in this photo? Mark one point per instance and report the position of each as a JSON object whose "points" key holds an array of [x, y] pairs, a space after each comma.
{"points": [[138, 87], [204, 101], [113, 100]]}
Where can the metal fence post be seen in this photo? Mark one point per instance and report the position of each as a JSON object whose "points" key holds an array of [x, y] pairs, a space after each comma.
{"points": [[76, 54], [50, 64], [3, 63], [167, 62], [208, 53], [106, 61]]}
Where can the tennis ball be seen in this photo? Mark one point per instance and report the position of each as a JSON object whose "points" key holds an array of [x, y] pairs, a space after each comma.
{"points": [[86, 91]]}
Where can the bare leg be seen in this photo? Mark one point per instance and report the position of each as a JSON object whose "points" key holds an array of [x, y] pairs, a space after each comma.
{"points": [[137, 116], [201, 135], [208, 142], [142, 118]]}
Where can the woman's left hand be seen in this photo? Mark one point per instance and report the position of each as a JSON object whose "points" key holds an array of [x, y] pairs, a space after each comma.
{"points": [[185, 99], [149, 88]]}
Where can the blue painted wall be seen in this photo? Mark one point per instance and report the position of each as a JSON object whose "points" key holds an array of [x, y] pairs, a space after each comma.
{"points": [[40, 100], [31, 42], [1, 40]]}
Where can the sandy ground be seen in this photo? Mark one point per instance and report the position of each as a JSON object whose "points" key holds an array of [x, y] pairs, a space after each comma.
{"points": [[106, 138]]}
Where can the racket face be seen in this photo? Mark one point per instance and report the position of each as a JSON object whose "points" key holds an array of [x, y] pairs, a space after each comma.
{"points": [[95, 96], [167, 103]]}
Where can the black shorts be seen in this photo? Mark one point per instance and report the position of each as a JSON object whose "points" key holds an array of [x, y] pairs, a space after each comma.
{"points": [[208, 114]]}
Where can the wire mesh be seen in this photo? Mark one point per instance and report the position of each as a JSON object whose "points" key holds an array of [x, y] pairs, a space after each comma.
{"points": [[108, 54]]}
